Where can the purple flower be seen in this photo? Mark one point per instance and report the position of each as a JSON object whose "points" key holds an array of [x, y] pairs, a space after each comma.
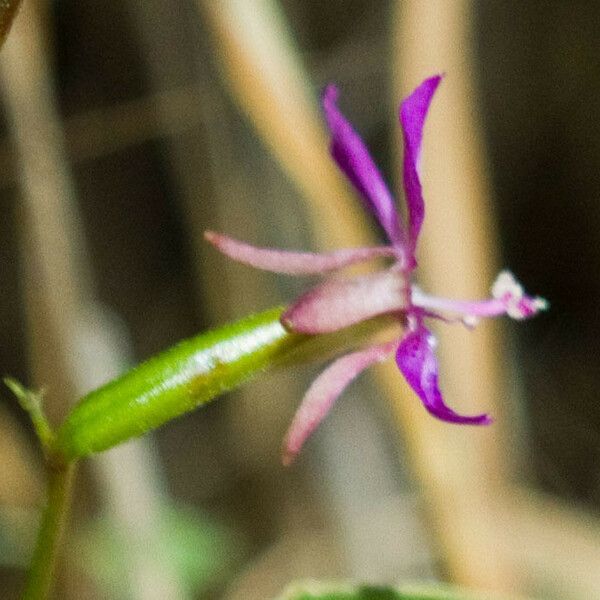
{"points": [[339, 303]]}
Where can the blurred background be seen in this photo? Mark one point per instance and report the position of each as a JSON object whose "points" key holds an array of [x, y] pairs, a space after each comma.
{"points": [[129, 128]]}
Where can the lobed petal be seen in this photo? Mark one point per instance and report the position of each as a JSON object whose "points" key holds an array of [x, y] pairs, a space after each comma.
{"points": [[339, 303], [416, 360], [413, 112], [293, 263], [353, 158], [324, 391]]}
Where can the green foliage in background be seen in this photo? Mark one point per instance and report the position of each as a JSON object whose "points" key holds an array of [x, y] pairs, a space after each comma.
{"points": [[200, 551], [344, 591]]}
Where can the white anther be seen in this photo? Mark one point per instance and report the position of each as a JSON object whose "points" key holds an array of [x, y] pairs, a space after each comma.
{"points": [[470, 321], [506, 286]]}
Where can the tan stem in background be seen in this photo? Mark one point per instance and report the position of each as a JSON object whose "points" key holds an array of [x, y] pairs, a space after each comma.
{"points": [[268, 81], [264, 71], [51, 234], [459, 467], [74, 344]]}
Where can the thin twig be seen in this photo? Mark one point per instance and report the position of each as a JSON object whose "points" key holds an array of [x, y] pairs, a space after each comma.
{"points": [[268, 81]]}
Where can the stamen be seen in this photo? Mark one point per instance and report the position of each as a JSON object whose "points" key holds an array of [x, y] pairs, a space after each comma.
{"points": [[517, 304], [470, 311], [508, 298]]}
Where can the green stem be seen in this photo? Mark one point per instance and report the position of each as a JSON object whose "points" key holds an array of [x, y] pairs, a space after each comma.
{"points": [[41, 570]]}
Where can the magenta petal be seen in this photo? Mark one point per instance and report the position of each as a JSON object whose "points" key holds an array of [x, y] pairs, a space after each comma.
{"points": [[352, 156], [417, 362], [293, 263], [339, 303], [412, 118], [324, 391]]}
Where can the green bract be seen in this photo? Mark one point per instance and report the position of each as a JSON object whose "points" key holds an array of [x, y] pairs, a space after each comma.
{"points": [[174, 382], [189, 375]]}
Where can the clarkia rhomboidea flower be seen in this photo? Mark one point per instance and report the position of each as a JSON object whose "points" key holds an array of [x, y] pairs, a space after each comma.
{"points": [[342, 302]]}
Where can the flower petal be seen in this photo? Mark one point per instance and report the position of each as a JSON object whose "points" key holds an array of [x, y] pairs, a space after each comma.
{"points": [[339, 303], [352, 156], [417, 362], [324, 391], [293, 263], [413, 111]]}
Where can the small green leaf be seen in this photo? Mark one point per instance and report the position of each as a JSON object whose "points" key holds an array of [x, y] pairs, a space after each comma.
{"points": [[344, 591], [31, 403]]}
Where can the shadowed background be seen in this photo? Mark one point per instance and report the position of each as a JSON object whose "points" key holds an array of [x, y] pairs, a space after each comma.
{"points": [[130, 129]]}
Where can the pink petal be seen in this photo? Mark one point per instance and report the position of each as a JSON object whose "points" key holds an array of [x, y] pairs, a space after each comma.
{"points": [[339, 303], [324, 391], [417, 362], [293, 263], [352, 156], [413, 112]]}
